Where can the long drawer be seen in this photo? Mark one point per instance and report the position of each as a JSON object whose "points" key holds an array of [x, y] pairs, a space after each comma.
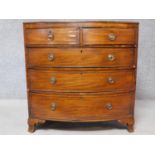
{"points": [[81, 81], [80, 107], [77, 57]]}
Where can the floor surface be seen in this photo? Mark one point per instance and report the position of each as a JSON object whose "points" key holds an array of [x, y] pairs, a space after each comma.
{"points": [[13, 121]]}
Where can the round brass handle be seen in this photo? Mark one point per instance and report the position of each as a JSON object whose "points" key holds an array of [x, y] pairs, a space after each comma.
{"points": [[110, 80], [111, 36], [53, 106], [51, 57], [108, 106], [53, 80], [111, 57], [50, 35]]}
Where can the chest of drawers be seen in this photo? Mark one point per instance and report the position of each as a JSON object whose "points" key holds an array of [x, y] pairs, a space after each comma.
{"points": [[81, 71]]}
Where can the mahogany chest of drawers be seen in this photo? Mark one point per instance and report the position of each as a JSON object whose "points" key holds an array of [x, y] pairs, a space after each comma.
{"points": [[81, 71]]}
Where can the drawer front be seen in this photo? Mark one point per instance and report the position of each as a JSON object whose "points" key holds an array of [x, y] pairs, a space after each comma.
{"points": [[80, 107], [75, 57], [52, 36], [84, 81], [99, 36]]}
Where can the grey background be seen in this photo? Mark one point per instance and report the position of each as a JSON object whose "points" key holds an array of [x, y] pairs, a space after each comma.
{"points": [[12, 63]]}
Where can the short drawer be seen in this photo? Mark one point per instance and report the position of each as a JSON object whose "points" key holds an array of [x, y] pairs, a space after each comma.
{"points": [[76, 57], [99, 36], [81, 81], [80, 107], [52, 36]]}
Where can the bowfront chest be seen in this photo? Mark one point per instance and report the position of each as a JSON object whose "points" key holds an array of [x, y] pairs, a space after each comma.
{"points": [[81, 71]]}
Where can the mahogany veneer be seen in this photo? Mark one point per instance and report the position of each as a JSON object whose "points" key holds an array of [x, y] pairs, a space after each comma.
{"points": [[81, 71]]}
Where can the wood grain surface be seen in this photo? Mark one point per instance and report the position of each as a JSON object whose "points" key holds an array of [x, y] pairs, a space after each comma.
{"points": [[81, 71], [81, 57]]}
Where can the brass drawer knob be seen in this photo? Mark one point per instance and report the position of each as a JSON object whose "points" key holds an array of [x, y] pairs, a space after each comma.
{"points": [[50, 35], [111, 36], [51, 57], [53, 106], [108, 106], [111, 57], [53, 80], [110, 80]]}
